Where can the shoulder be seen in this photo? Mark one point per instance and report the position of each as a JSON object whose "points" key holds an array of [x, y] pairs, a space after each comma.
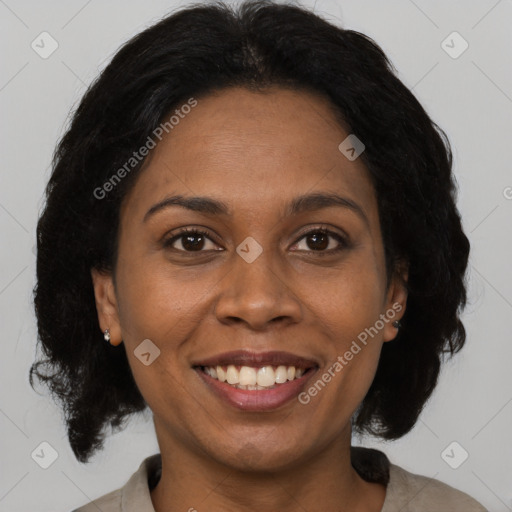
{"points": [[134, 496], [410, 492], [110, 502]]}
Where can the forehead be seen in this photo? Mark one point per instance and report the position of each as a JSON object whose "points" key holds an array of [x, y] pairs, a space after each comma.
{"points": [[251, 150]]}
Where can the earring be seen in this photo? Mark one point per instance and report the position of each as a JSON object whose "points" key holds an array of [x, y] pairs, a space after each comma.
{"points": [[396, 324], [106, 335]]}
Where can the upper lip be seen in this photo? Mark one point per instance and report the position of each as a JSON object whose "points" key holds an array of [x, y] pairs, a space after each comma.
{"points": [[248, 358]]}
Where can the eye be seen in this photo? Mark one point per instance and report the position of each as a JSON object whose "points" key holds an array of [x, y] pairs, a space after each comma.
{"points": [[318, 240], [191, 240]]}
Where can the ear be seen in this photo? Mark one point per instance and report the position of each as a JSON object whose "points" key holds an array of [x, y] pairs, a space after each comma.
{"points": [[396, 300], [106, 305]]}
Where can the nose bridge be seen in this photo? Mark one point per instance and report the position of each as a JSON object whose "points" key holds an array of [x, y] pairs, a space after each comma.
{"points": [[255, 291]]}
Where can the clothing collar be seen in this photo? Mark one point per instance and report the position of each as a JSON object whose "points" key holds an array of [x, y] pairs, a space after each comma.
{"points": [[372, 465]]}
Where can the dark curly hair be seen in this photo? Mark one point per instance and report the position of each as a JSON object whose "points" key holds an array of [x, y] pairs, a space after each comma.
{"points": [[191, 53]]}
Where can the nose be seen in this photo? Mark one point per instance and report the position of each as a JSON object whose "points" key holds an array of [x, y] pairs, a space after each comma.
{"points": [[257, 294]]}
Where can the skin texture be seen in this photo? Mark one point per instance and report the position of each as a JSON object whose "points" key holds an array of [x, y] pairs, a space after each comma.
{"points": [[255, 152]]}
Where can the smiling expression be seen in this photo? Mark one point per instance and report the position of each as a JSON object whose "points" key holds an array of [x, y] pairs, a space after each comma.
{"points": [[261, 173]]}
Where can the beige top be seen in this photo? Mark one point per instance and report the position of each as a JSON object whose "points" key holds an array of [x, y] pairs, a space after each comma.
{"points": [[405, 492]]}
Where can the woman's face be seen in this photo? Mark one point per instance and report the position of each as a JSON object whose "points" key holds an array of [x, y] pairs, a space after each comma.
{"points": [[255, 281]]}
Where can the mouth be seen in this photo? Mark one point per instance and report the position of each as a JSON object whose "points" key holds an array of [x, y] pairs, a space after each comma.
{"points": [[256, 382], [254, 378]]}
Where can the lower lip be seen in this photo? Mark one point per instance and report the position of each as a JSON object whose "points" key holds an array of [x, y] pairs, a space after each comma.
{"points": [[257, 400]]}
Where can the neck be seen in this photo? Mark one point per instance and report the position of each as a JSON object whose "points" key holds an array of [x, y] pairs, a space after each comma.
{"points": [[193, 481]]}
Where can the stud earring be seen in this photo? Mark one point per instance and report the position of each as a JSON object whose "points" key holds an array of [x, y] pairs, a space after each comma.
{"points": [[106, 335], [396, 324]]}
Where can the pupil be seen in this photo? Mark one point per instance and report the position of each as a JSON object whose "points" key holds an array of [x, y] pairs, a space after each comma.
{"points": [[324, 240], [190, 245]]}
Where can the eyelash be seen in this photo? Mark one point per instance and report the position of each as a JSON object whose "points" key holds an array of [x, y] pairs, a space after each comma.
{"points": [[197, 231]]}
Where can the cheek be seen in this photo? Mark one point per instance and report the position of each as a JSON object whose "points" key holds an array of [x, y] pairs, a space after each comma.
{"points": [[348, 301], [166, 308], [153, 307], [346, 311], [153, 302]]}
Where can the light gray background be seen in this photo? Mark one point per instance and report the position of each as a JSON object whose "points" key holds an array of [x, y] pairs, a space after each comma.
{"points": [[471, 99]]}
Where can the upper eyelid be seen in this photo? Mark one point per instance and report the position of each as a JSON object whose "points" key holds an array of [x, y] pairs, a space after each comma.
{"points": [[327, 229]]}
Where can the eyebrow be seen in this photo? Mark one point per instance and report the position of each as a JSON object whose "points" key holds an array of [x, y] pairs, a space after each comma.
{"points": [[301, 204]]}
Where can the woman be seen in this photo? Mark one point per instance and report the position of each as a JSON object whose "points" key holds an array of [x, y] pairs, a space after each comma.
{"points": [[251, 229]]}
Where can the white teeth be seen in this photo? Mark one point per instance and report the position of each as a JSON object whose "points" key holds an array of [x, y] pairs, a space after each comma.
{"points": [[232, 375], [266, 376], [281, 374], [221, 374], [247, 376], [251, 378]]}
